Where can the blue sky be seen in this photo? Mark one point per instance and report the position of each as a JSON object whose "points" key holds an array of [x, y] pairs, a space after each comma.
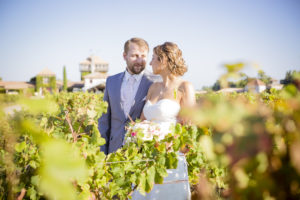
{"points": [[39, 34]]}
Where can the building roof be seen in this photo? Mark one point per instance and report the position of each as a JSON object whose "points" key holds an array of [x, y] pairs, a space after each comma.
{"points": [[46, 72], [100, 86], [256, 82], [96, 75], [229, 90], [15, 85], [94, 59]]}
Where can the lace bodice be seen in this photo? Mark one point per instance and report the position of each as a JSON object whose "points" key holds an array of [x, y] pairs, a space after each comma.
{"points": [[164, 110]]}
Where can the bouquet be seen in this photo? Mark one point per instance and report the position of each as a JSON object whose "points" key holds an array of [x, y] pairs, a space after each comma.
{"points": [[147, 130]]}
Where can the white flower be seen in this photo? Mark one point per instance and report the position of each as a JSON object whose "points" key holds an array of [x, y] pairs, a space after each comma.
{"points": [[149, 130]]}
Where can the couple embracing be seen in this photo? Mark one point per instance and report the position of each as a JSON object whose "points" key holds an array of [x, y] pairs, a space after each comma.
{"points": [[158, 97]]}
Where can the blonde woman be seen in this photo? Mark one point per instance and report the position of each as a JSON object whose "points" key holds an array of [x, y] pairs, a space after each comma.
{"points": [[163, 103]]}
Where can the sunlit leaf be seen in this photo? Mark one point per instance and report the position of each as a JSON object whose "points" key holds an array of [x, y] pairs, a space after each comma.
{"points": [[36, 106], [20, 146], [62, 165]]}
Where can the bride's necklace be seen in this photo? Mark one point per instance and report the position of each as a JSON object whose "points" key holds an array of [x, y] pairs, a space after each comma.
{"points": [[164, 89]]}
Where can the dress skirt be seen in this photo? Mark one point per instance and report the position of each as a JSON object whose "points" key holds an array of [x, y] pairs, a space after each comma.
{"points": [[175, 186]]}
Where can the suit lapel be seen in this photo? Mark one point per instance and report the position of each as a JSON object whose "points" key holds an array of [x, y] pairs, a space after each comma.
{"points": [[118, 94]]}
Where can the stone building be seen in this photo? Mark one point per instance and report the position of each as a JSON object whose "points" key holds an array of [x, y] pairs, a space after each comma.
{"points": [[94, 73], [255, 85], [91, 65], [15, 87], [93, 78], [275, 84], [45, 79]]}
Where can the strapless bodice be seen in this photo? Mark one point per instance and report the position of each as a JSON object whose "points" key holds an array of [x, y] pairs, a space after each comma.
{"points": [[165, 110]]}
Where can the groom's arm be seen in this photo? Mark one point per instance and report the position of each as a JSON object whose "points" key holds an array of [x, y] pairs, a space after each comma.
{"points": [[104, 124]]}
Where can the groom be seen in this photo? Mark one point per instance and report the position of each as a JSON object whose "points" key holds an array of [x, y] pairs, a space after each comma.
{"points": [[125, 94]]}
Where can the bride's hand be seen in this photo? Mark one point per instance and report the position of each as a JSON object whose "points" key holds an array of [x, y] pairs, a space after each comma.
{"points": [[169, 145], [185, 149], [184, 121], [142, 117]]}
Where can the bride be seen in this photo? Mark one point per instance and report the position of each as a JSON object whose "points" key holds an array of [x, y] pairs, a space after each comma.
{"points": [[164, 100]]}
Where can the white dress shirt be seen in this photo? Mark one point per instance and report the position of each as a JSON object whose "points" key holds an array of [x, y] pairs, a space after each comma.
{"points": [[129, 89]]}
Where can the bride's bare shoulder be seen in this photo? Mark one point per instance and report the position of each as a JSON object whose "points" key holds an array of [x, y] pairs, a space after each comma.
{"points": [[186, 86]]}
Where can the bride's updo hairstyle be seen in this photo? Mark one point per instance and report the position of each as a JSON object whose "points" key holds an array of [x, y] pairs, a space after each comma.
{"points": [[173, 57]]}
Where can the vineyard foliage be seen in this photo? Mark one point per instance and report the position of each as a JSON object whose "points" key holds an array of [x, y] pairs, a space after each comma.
{"points": [[240, 146]]}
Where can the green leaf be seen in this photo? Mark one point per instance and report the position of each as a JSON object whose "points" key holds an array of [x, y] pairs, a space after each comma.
{"points": [[133, 178], [142, 184], [162, 171], [162, 148], [178, 129], [176, 144], [150, 178], [171, 161], [37, 106], [84, 195], [62, 164], [161, 160], [35, 180], [159, 179], [19, 147], [96, 139], [33, 164], [31, 193]]}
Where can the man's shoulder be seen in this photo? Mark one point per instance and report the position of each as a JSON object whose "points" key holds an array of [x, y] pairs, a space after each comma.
{"points": [[152, 77], [115, 76]]}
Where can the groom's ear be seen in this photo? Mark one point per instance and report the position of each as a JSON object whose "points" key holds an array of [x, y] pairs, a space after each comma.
{"points": [[124, 55]]}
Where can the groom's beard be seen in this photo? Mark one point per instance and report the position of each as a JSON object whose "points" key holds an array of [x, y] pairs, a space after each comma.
{"points": [[137, 68]]}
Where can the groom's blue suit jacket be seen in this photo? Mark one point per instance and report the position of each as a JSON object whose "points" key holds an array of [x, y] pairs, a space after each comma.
{"points": [[112, 124]]}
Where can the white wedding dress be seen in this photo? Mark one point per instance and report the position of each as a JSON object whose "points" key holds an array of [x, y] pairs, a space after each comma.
{"points": [[176, 185]]}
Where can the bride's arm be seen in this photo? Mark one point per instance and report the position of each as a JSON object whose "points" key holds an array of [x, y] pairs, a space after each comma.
{"points": [[188, 99]]}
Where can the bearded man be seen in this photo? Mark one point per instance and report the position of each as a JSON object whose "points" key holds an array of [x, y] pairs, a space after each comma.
{"points": [[125, 94]]}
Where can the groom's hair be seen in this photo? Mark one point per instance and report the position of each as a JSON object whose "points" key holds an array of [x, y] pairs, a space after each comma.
{"points": [[139, 41]]}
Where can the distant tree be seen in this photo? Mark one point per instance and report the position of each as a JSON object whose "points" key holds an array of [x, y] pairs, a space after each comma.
{"points": [[65, 87], [292, 77], [243, 81], [216, 86], [38, 83], [263, 77], [0, 78], [288, 78]]}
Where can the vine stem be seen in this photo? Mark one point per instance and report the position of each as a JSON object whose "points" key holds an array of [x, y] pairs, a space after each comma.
{"points": [[81, 122], [22, 194], [129, 161], [133, 190], [74, 134]]}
